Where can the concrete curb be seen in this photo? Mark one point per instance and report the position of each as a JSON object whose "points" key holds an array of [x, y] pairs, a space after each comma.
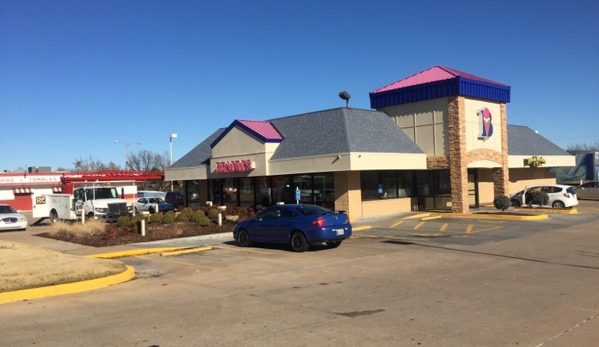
{"points": [[68, 288]]}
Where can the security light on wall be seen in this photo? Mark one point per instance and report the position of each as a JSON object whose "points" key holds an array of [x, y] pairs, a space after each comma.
{"points": [[345, 96]]}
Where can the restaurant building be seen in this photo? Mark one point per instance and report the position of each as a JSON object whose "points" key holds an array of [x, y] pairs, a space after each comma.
{"points": [[438, 139]]}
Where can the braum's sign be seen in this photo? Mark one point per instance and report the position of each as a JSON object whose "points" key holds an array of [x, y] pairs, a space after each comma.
{"points": [[486, 123], [234, 166]]}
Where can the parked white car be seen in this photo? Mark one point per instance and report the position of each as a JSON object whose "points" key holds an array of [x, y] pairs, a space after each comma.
{"points": [[560, 196], [589, 190], [11, 219]]}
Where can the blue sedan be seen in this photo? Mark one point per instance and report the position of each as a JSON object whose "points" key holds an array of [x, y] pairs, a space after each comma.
{"points": [[297, 225]]}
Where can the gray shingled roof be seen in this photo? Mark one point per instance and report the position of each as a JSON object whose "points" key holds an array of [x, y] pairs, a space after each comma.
{"points": [[340, 130], [344, 130], [522, 140]]}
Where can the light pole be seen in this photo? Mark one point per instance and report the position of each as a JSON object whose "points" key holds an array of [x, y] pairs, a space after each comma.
{"points": [[171, 137], [127, 143]]}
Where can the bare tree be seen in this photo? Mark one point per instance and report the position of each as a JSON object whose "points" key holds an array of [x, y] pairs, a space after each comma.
{"points": [[92, 164], [581, 147], [145, 160], [148, 161]]}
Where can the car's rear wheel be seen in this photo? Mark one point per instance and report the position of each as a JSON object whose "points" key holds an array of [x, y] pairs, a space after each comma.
{"points": [[243, 238], [298, 242], [333, 244], [558, 204], [515, 203]]}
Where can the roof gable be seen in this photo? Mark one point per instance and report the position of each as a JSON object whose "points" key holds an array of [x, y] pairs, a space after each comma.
{"points": [[262, 130], [435, 82]]}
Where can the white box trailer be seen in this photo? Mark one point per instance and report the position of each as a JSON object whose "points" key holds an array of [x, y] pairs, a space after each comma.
{"points": [[55, 207]]}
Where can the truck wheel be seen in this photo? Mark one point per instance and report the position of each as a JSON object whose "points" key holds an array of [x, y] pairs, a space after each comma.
{"points": [[53, 216], [90, 216]]}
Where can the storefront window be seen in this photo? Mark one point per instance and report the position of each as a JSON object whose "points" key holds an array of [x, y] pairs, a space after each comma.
{"points": [[369, 182], [405, 183], [304, 184], [246, 192], [263, 191], [386, 184], [281, 186], [388, 180], [442, 182], [193, 191], [324, 190]]}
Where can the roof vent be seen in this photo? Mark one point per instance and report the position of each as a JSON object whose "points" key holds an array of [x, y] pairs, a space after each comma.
{"points": [[345, 96]]}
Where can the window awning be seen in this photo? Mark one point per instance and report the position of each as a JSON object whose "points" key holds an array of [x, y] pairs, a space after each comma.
{"points": [[56, 189], [22, 190]]}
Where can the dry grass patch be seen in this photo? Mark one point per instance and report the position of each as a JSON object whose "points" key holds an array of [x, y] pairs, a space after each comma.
{"points": [[91, 227], [24, 266]]}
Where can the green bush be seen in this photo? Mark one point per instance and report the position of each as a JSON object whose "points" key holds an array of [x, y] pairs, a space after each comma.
{"points": [[540, 198], [187, 212], [197, 216], [502, 203], [123, 221], [135, 224], [213, 214], [203, 221], [182, 218], [168, 217], [156, 218]]}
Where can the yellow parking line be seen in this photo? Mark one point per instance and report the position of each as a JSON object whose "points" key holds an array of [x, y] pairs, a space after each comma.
{"points": [[469, 228], [418, 226], [396, 224], [443, 227], [487, 229]]}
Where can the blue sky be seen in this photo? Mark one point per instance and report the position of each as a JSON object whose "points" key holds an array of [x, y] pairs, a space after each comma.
{"points": [[76, 75]]}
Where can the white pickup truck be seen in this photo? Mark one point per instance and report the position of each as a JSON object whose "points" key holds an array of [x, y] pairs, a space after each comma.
{"points": [[102, 203]]}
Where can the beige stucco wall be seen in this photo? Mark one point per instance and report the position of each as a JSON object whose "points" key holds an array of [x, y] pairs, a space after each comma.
{"points": [[526, 177], [485, 186], [188, 173], [348, 162], [348, 196], [239, 145], [473, 128], [386, 206], [425, 122]]}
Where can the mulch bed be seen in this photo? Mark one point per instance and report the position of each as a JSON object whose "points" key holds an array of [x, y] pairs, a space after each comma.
{"points": [[114, 236]]}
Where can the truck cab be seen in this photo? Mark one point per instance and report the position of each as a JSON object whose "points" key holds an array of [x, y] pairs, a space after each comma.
{"points": [[103, 203]]}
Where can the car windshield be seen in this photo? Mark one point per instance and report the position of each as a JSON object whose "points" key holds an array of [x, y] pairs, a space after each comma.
{"points": [[310, 210], [7, 209], [155, 200]]}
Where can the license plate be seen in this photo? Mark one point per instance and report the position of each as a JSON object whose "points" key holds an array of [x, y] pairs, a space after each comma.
{"points": [[339, 231]]}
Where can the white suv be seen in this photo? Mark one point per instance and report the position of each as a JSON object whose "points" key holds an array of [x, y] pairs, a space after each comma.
{"points": [[560, 196]]}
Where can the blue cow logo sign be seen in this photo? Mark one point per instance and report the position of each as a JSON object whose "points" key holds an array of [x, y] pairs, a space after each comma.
{"points": [[486, 123]]}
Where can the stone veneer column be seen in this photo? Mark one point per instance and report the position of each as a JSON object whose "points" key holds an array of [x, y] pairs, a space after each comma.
{"points": [[501, 176], [458, 169], [347, 193]]}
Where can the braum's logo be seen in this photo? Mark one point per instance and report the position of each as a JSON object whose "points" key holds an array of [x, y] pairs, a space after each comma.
{"points": [[486, 123]]}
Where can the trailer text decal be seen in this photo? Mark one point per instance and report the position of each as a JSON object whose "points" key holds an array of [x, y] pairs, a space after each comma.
{"points": [[234, 166]]}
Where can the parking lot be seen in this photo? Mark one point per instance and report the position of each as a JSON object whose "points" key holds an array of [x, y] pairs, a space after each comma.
{"points": [[396, 282]]}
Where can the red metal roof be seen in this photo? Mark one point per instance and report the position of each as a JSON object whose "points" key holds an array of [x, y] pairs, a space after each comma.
{"points": [[262, 128], [433, 74]]}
